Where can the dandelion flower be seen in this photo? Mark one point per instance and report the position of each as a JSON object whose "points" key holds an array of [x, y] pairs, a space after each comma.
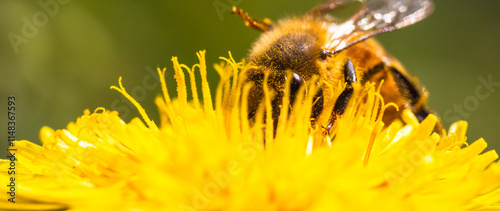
{"points": [[206, 155]]}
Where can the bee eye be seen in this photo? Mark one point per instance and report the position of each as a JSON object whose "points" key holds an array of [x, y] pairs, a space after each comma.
{"points": [[295, 84]]}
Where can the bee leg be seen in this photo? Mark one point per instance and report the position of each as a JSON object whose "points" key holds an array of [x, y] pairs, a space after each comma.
{"points": [[318, 104], [262, 25], [416, 99], [343, 99]]}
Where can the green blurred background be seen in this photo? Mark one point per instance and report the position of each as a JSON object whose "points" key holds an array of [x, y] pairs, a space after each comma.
{"points": [[81, 48]]}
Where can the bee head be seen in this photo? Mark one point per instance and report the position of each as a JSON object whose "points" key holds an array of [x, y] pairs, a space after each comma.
{"points": [[276, 82]]}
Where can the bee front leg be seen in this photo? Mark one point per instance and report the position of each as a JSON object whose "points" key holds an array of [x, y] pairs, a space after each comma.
{"points": [[343, 99]]}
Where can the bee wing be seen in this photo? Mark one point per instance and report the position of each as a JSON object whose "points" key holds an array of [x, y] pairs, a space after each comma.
{"points": [[376, 16], [330, 5]]}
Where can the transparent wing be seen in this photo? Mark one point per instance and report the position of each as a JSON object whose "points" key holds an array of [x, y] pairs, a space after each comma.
{"points": [[376, 16], [330, 5]]}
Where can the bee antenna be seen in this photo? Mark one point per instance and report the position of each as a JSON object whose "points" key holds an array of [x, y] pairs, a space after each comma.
{"points": [[262, 25]]}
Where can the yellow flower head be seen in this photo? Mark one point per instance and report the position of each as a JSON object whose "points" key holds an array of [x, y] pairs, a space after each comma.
{"points": [[208, 156]]}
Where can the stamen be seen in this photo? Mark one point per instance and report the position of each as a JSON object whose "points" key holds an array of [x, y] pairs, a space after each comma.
{"points": [[141, 110], [205, 88]]}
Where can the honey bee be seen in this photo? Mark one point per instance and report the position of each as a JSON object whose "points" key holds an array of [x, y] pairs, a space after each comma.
{"points": [[318, 44]]}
